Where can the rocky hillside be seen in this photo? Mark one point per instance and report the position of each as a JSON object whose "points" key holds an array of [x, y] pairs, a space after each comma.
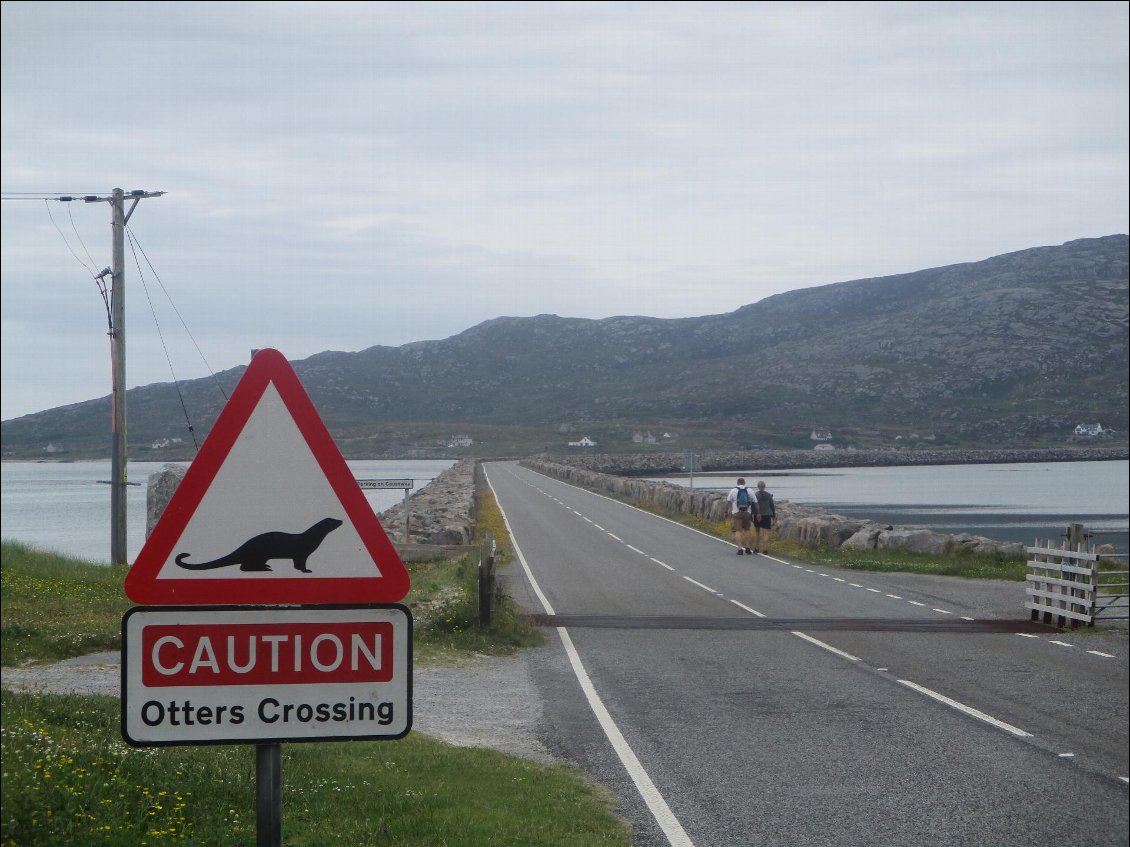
{"points": [[1012, 351]]}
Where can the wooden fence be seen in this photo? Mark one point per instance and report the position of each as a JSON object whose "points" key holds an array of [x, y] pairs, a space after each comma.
{"points": [[1072, 582]]}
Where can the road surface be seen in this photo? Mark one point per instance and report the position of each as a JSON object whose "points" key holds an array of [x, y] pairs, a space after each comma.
{"points": [[747, 700]]}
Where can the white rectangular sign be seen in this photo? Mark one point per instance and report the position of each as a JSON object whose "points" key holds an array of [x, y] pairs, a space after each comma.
{"points": [[386, 483], [228, 675]]}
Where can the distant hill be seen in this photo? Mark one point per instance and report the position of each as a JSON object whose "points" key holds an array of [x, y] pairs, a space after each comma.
{"points": [[1011, 351]]}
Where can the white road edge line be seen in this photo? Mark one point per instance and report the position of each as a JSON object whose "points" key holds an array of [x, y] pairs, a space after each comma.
{"points": [[969, 710], [676, 835]]}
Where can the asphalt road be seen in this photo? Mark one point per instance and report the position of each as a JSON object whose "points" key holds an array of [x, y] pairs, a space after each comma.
{"points": [[746, 700]]}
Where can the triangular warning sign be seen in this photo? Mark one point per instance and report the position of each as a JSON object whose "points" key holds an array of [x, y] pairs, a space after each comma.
{"points": [[268, 513]]}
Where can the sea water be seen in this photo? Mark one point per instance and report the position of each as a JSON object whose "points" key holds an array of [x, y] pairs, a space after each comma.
{"points": [[1005, 502], [65, 506]]}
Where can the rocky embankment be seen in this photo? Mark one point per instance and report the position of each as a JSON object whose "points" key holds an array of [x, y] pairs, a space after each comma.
{"points": [[794, 522], [442, 513]]}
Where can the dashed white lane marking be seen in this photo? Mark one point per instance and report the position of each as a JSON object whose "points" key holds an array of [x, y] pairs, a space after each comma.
{"points": [[700, 585], [969, 710], [1067, 755], [806, 570], [611, 728], [753, 612], [676, 835], [827, 647]]}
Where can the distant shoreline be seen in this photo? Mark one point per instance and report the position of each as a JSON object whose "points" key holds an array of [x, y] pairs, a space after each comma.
{"points": [[719, 461]]}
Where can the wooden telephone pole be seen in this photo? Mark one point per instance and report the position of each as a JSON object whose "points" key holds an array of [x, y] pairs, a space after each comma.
{"points": [[118, 478]]}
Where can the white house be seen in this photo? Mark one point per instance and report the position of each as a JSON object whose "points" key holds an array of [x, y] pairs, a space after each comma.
{"points": [[460, 441], [1090, 430], [820, 435], [584, 442]]}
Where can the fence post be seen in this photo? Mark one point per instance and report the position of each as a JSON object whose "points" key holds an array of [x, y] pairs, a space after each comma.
{"points": [[486, 579], [1075, 537]]}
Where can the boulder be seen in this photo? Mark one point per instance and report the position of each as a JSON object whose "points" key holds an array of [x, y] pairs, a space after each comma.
{"points": [[914, 541], [159, 492]]}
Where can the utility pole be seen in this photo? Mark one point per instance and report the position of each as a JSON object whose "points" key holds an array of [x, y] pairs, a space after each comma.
{"points": [[118, 473]]}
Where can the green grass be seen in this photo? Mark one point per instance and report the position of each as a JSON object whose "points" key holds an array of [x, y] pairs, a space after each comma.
{"points": [[69, 779], [54, 607], [958, 564]]}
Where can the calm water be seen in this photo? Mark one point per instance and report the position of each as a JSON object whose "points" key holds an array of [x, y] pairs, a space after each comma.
{"points": [[66, 508], [1017, 502]]}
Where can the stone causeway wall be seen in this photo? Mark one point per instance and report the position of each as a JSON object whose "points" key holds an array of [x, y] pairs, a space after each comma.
{"points": [[809, 526], [442, 513]]}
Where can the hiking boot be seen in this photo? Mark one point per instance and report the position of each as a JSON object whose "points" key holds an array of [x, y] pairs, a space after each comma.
{"points": [[755, 550], [749, 552], [741, 552]]}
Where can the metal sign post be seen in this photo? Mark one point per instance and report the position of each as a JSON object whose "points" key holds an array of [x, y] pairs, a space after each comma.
{"points": [[406, 484], [246, 651]]}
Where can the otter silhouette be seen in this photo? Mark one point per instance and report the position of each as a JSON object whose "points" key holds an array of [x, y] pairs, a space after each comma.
{"points": [[253, 554]]}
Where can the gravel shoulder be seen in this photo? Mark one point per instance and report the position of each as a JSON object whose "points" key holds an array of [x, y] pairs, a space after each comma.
{"points": [[483, 701]]}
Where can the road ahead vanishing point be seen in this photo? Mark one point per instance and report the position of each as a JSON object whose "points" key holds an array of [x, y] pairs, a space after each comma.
{"points": [[746, 700]]}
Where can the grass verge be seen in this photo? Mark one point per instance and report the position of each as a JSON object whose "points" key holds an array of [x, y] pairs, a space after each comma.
{"points": [[958, 564], [70, 779]]}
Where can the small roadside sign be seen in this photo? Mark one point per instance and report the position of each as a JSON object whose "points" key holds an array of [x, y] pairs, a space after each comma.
{"points": [[268, 512], [231, 675], [387, 483]]}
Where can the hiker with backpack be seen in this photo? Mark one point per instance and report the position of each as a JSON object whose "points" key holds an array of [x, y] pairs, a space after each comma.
{"points": [[764, 512], [742, 506]]}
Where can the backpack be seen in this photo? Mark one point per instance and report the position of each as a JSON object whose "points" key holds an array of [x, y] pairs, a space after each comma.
{"points": [[743, 500], [765, 503]]}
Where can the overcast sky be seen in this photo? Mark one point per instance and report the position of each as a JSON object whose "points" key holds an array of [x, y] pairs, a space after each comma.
{"points": [[342, 175]]}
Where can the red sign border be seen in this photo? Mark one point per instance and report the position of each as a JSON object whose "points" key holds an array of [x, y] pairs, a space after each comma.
{"points": [[389, 585]]}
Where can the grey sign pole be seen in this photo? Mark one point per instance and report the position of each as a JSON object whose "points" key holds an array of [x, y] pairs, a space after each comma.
{"points": [[268, 795]]}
